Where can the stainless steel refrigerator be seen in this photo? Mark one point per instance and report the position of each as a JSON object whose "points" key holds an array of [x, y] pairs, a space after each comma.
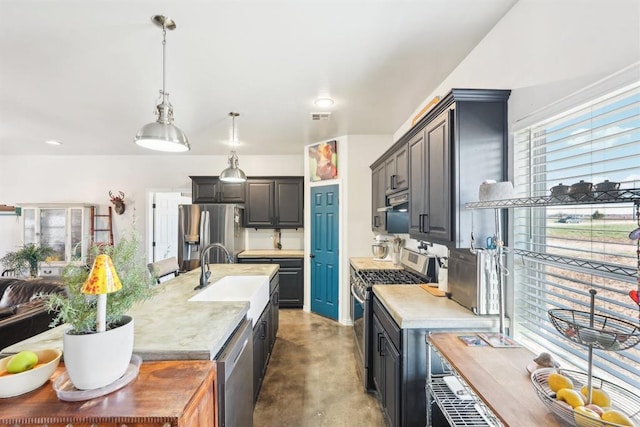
{"points": [[200, 225]]}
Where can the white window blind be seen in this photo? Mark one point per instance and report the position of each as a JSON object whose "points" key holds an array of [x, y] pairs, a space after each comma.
{"points": [[566, 250]]}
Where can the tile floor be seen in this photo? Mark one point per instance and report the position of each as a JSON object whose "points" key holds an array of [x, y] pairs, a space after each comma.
{"points": [[311, 379]]}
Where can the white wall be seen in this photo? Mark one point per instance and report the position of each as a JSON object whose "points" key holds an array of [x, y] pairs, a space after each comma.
{"points": [[544, 50], [88, 179]]}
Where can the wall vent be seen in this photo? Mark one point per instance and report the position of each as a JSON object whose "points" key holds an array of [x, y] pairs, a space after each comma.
{"points": [[321, 116]]}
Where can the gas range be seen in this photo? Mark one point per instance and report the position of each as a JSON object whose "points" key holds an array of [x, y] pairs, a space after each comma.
{"points": [[417, 269]]}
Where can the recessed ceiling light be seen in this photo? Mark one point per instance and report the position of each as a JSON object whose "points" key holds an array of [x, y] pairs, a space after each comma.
{"points": [[323, 102], [52, 142]]}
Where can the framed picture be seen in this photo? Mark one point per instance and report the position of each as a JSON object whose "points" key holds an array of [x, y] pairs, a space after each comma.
{"points": [[323, 161]]}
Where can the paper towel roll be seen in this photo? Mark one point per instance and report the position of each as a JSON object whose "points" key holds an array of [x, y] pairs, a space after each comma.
{"points": [[491, 190]]}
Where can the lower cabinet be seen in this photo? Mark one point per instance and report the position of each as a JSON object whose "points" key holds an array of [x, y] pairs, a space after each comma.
{"points": [[386, 370], [265, 330], [291, 279], [260, 349]]}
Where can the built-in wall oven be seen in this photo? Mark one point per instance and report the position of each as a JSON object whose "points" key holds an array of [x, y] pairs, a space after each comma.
{"points": [[416, 269]]}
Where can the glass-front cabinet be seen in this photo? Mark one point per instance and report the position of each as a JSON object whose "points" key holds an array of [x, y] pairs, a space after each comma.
{"points": [[65, 228]]}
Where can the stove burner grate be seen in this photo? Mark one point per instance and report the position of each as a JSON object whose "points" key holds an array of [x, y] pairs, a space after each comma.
{"points": [[391, 277]]}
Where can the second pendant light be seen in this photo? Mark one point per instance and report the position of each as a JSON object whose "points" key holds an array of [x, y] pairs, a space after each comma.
{"points": [[233, 173]]}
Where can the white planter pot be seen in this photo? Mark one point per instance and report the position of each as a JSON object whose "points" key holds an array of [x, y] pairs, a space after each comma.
{"points": [[96, 360]]}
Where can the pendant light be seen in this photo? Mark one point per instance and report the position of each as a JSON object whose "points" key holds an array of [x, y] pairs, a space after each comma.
{"points": [[162, 135], [233, 173]]}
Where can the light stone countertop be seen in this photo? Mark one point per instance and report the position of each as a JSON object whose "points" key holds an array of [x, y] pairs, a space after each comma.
{"points": [[168, 326], [414, 308], [372, 264], [272, 253]]}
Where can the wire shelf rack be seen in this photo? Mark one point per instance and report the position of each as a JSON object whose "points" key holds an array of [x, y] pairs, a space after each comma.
{"points": [[614, 196], [578, 262], [460, 412], [603, 332]]}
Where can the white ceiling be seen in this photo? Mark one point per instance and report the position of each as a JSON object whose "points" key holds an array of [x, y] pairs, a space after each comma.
{"points": [[87, 73]]}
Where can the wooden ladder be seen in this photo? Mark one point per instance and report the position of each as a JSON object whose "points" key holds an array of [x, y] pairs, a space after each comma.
{"points": [[97, 222]]}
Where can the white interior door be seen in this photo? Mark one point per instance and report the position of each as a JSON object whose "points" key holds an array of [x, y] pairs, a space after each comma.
{"points": [[165, 224]]}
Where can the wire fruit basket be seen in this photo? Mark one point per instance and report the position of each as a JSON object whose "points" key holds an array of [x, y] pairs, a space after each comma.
{"points": [[603, 332], [621, 399]]}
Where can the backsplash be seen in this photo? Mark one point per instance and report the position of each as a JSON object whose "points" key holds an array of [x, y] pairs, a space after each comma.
{"points": [[265, 239]]}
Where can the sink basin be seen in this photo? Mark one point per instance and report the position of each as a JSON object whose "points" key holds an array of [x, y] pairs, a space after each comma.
{"points": [[254, 289]]}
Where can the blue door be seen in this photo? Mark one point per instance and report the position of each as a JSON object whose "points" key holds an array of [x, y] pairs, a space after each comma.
{"points": [[324, 251]]}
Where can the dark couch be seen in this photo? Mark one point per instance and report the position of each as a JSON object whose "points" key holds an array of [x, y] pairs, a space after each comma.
{"points": [[22, 313]]}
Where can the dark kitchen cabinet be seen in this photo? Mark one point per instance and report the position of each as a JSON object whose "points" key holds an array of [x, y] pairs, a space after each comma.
{"points": [[260, 349], [458, 145], [209, 189], [274, 202], [430, 193], [291, 273], [386, 373], [397, 170], [265, 330], [378, 219]]}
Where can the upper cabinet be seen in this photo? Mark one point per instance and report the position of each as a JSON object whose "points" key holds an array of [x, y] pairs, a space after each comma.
{"points": [[458, 145], [389, 175], [430, 190], [274, 202], [442, 160], [397, 170], [378, 219], [209, 189]]}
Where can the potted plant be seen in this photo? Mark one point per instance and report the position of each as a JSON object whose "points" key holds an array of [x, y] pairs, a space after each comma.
{"points": [[28, 257], [93, 357]]}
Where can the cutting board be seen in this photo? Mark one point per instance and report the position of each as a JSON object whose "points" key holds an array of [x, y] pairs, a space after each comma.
{"points": [[433, 291]]}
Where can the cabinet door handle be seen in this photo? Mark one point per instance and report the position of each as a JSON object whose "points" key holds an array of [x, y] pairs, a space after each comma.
{"points": [[376, 221], [312, 256], [381, 344], [421, 227], [393, 182], [263, 329]]}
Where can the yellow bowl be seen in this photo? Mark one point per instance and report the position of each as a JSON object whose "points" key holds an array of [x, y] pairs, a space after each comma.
{"points": [[16, 384]]}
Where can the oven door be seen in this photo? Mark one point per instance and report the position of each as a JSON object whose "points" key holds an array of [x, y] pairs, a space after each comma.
{"points": [[359, 312]]}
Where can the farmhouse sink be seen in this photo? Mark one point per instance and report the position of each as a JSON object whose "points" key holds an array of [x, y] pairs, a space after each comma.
{"points": [[254, 289]]}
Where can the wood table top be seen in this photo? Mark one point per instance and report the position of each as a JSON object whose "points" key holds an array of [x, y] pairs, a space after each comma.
{"points": [[499, 377], [160, 392]]}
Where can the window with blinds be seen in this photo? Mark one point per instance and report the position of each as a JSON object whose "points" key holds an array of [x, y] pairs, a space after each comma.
{"points": [[564, 251]]}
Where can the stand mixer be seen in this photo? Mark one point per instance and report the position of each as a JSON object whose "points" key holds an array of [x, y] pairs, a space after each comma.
{"points": [[381, 248]]}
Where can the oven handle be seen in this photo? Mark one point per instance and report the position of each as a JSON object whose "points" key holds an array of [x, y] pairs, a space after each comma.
{"points": [[356, 296]]}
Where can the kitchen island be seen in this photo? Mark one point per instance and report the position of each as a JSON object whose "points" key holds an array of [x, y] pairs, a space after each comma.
{"points": [[168, 327]]}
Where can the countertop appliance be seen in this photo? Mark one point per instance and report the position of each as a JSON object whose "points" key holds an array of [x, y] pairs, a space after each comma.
{"points": [[235, 379], [473, 280], [200, 225], [417, 269]]}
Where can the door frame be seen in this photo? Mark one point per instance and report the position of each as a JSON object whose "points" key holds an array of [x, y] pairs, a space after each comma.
{"points": [[343, 298], [149, 213]]}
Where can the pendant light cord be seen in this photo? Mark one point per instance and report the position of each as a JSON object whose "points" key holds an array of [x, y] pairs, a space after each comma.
{"points": [[164, 59]]}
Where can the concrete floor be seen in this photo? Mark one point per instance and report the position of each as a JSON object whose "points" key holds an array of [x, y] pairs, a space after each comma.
{"points": [[311, 379]]}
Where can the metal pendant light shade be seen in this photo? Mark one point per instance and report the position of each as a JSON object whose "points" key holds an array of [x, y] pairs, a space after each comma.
{"points": [[163, 135], [233, 173]]}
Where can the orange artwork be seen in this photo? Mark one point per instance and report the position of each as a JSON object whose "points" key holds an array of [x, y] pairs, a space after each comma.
{"points": [[323, 161]]}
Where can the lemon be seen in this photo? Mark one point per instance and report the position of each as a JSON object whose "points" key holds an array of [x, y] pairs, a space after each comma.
{"points": [[558, 381], [616, 417], [598, 396]]}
